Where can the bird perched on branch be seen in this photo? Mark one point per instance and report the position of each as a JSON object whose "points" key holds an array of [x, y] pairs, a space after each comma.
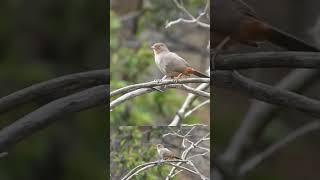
{"points": [[235, 22], [165, 153], [171, 64]]}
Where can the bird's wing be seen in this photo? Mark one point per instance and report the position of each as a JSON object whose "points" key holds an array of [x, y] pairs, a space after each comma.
{"points": [[175, 62], [168, 154]]}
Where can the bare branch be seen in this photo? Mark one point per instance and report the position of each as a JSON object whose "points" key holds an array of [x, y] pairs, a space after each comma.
{"points": [[142, 91], [267, 93], [196, 108], [192, 18], [68, 83], [155, 83], [187, 151], [288, 59], [48, 113], [260, 114], [186, 105], [148, 165]]}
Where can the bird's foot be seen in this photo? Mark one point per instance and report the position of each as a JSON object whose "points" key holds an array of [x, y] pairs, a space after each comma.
{"points": [[158, 80]]}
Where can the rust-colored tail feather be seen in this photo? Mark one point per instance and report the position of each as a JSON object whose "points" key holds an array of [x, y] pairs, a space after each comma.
{"points": [[172, 158], [199, 74]]}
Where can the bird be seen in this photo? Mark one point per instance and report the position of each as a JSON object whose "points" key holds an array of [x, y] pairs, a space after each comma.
{"points": [[166, 154], [171, 64], [236, 22]]}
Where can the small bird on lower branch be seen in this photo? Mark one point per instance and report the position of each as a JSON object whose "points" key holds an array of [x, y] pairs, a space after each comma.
{"points": [[166, 154], [172, 65]]}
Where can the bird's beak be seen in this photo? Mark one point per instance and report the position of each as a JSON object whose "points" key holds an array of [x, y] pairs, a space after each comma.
{"points": [[152, 47]]}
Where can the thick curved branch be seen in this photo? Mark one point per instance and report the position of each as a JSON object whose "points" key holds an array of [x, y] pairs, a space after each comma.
{"points": [[259, 158], [142, 91], [68, 83], [48, 113], [288, 59], [155, 83], [266, 93]]}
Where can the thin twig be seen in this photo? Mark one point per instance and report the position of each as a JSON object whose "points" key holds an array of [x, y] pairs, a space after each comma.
{"points": [[196, 108], [186, 105], [192, 18]]}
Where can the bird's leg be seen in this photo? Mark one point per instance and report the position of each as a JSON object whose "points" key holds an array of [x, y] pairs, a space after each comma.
{"points": [[178, 77], [218, 48], [159, 80], [159, 161], [163, 78]]}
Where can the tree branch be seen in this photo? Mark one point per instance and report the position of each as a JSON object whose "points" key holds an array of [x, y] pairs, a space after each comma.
{"points": [[148, 165], [187, 151], [288, 59], [266, 93], [186, 105], [155, 83], [63, 84], [192, 18], [139, 92], [48, 113], [260, 114]]}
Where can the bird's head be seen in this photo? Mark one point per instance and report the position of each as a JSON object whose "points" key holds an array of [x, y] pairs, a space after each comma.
{"points": [[159, 48], [159, 146]]}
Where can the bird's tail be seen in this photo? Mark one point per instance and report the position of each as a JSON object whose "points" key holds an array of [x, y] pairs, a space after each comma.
{"points": [[173, 158], [286, 40], [199, 74]]}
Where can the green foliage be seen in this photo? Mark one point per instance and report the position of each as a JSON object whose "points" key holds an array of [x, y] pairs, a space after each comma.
{"points": [[114, 26]]}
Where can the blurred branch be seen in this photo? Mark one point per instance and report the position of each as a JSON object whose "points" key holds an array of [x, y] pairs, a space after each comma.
{"points": [[68, 83], [259, 158], [181, 113], [143, 88], [266, 93], [197, 107], [3, 154], [48, 114], [192, 18], [260, 114], [268, 60]]}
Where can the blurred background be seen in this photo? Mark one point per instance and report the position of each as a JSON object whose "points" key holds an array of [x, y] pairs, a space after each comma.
{"points": [[41, 40], [300, 159], [131, 146], [135, 26]]}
